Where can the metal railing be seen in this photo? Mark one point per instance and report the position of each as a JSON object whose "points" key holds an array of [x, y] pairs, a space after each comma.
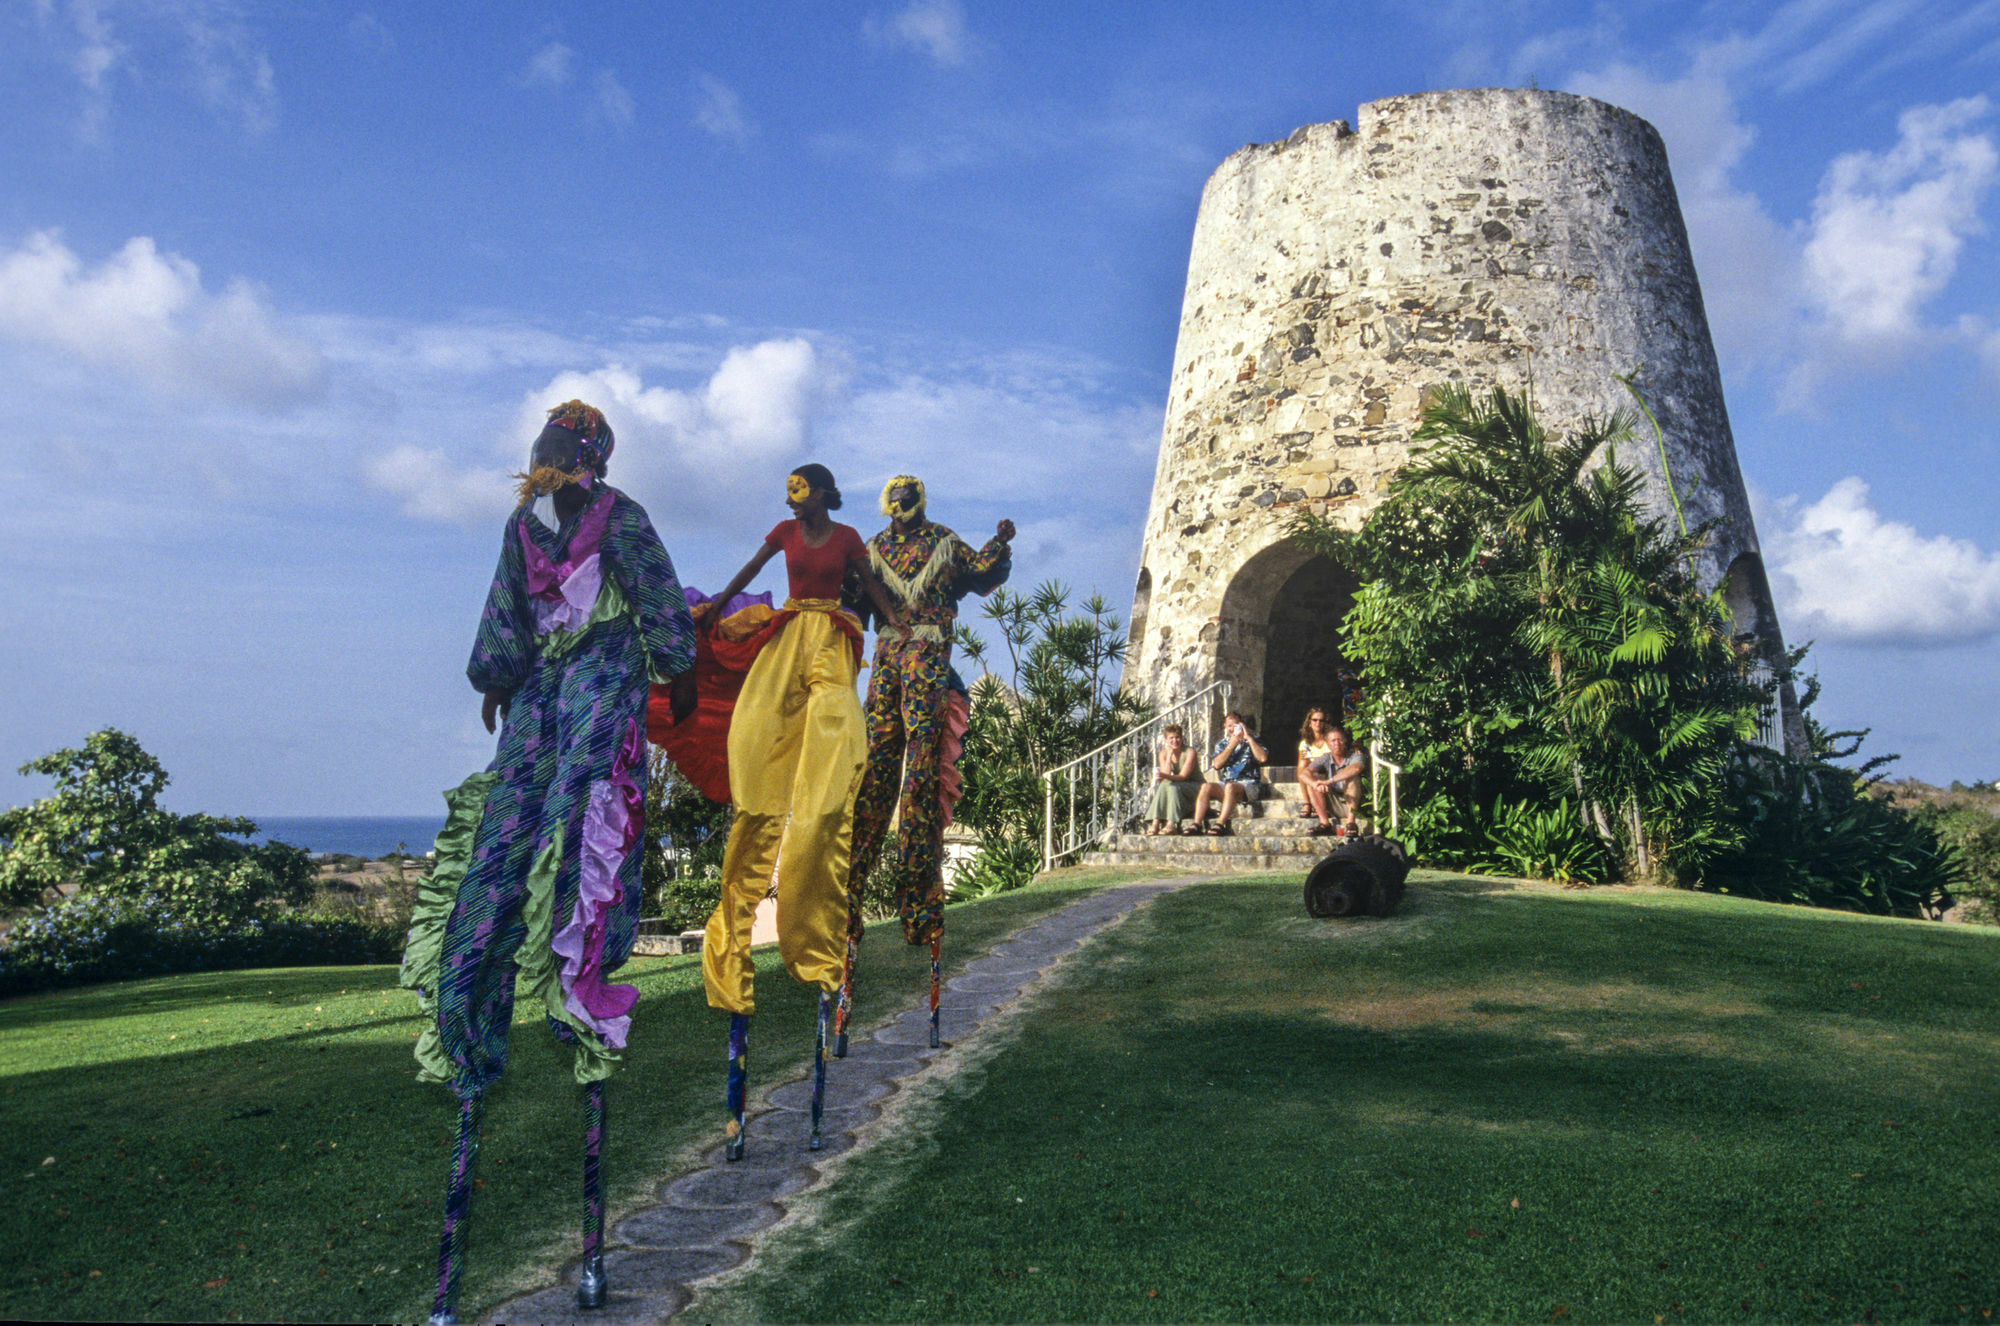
{"points": [[1105, 788], [1770, 729], [1376, 764]]}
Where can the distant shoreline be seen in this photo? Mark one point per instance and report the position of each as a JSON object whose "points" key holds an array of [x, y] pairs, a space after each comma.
{"points": [[351, 835]]}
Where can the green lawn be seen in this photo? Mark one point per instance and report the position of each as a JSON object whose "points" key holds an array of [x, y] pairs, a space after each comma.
{"points": [[254, 1144], [1517, 1105]]}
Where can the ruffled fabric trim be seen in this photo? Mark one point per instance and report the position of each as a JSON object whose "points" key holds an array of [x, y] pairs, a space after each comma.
{"points": [[565, 592], [541, 972], [612, 822], [423, 951]]}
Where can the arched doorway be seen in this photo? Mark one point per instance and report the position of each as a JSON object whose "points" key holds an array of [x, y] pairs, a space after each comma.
{"points": [[1303, 658], [1277, 638]]}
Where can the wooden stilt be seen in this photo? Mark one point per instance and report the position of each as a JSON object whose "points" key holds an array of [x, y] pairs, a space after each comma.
{"points": [[590, 1285], [819, 1068], [739, 1074]]}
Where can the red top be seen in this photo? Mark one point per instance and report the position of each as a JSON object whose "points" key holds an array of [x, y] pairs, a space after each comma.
{"points": [[816, 573]]}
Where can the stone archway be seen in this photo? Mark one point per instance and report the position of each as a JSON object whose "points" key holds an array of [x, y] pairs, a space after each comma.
{"points": [[1303, 657], [1277, 638]]}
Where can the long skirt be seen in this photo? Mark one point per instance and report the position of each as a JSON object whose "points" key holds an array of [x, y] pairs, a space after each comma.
{"points": [[1172, 801], [797, 744]]}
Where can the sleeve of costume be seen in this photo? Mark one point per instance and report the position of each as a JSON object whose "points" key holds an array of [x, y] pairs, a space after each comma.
{"points": [[989, 557], [504, 649], [646, 574], [776, 538]]}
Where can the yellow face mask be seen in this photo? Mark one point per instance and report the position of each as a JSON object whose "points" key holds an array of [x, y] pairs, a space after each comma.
{"points": [[797, 489], [904, 510]]}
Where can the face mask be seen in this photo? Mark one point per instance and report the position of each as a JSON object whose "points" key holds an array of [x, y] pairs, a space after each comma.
{"points": [[797, 489], [903, 499]]}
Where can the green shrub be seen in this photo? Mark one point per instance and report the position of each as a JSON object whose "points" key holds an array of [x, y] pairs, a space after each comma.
{"points": [[1811, 834], [1001, 864], [88, 937], [1972, 835], [1541, 841]]}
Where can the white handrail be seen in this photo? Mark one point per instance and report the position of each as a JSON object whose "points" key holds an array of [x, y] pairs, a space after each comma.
{"points": [[1114, 780], [1376, 764]]}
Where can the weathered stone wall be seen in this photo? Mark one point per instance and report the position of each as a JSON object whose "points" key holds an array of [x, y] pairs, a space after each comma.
{"points": [[1522, 238]]}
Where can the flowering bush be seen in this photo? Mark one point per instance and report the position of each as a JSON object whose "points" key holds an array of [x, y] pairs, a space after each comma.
{"points": [[102, 937]]}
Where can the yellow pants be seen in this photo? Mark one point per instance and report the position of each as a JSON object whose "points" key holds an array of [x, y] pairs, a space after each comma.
{"points": [[797, 744]]}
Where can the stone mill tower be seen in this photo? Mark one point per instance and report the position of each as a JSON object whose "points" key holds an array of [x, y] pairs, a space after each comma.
{"points": [[1525, 239]]}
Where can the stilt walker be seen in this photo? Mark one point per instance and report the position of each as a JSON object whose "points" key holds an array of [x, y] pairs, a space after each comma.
{"points": [[926, 569], [796, 750], [537, 872]]}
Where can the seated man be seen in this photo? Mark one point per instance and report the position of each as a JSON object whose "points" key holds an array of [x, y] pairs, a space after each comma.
{"points": [[1235, 761], [1333, 779]]}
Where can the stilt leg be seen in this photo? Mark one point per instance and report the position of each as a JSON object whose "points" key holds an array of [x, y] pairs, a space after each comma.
{"points": [[937, 940], [819, 1069], [590, 1281], [458, 1196], [739, 1074], [845, 1009]]}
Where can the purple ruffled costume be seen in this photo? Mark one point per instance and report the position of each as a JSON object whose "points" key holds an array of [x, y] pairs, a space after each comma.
{"points": [[538, 866]]}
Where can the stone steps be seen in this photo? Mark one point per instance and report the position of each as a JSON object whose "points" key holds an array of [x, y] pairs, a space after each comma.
{"points": [[1273, 834]]}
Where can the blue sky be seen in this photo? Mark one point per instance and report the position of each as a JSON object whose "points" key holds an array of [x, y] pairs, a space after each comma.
{"points": [[282, 287]]}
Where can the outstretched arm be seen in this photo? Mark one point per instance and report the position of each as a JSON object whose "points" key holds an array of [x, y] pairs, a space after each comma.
{"points": [[739, 583]]}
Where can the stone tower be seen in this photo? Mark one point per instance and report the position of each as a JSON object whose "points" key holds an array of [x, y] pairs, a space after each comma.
{"points": [[1525, 239]]}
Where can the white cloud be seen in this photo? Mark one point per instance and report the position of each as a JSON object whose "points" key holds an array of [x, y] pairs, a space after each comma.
{"points": [[614, 100], [551, 66], [208, 39], [146, 313], [431, 487], [932, 28], [1887, 227], [719, 111], [1749, 264], [1841, 572], [689, 456], [367, 34]]}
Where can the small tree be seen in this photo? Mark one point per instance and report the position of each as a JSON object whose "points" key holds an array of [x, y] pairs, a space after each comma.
{"points": [[1060, 698], [103, 830]]}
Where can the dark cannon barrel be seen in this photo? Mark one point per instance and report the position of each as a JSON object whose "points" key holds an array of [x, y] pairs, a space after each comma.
{"points": [[1359, 878]]}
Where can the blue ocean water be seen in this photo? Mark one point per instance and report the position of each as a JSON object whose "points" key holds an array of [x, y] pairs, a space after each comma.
{"points": [[354, 835]]}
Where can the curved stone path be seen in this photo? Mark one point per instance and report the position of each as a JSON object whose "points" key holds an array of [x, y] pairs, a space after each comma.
{"points": [[705, 1219]]}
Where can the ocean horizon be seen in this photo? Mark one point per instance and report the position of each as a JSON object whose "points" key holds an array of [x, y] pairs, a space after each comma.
{"points": [[351, 835]]}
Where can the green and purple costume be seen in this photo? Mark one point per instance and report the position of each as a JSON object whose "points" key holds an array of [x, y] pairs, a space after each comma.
{"points": [[538, 864]]}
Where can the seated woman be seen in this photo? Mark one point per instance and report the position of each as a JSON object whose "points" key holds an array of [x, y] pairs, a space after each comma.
{"points": [[1235, 761], [1175, 780], [1330, 769]]}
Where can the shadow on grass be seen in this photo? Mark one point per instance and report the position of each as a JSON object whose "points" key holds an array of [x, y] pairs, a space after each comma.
{"points": [[294, 1172], [1516, 1106]]}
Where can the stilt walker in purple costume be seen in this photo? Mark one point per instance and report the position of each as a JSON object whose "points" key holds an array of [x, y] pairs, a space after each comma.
{"points": [[537, 869], [926, 569]]}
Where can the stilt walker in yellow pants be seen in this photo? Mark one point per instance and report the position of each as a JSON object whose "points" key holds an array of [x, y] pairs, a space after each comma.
{"points": [[797, 746]]}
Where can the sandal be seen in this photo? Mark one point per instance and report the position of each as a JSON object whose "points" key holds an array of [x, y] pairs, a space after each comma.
{"points": [[1221, 830], [1171, 831], [1321, 830]]}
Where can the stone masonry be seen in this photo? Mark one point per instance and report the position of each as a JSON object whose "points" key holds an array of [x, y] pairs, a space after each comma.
{"points": [[1497, 237]]}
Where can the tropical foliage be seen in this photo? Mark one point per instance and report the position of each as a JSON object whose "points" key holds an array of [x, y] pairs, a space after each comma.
{"points": [[1058, 699], [1567, 701], [102, 830], [1527, 631]]}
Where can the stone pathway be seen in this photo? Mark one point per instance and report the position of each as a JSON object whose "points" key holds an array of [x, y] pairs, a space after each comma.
{"points": [[705, 1219]]}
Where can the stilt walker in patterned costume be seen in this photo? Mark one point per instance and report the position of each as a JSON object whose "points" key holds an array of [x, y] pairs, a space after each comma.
{"points": [[537, 868], [926, 569], [796, 750]]}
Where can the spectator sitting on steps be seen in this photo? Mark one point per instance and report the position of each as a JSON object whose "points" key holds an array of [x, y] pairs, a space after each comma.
{"points": [[1330, 770], [1235, 762], [1175, 778]]}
